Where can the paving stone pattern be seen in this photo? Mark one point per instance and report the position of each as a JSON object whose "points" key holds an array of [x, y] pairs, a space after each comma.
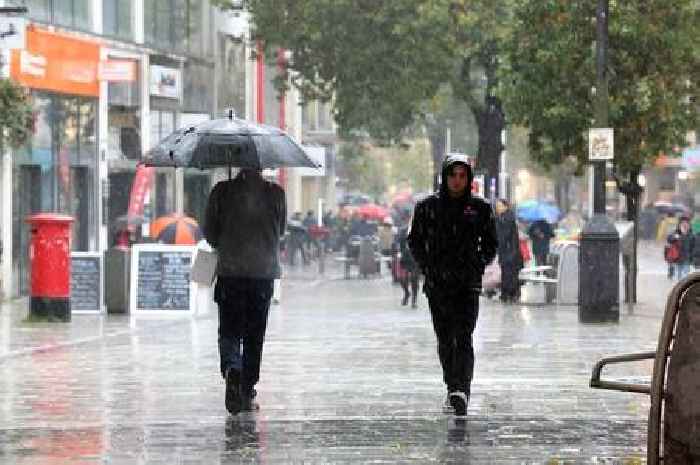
{"points": [[348, 376]]}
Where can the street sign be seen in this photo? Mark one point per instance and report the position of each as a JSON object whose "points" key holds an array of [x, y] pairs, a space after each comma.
{"points": [[601, 144], [12, 30]]}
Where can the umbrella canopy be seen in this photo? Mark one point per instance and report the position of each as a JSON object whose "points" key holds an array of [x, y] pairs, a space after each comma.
{"points": [[402, 198], [372, 211], [669, 207], [533, 210], [176, 229], [228, 142]]}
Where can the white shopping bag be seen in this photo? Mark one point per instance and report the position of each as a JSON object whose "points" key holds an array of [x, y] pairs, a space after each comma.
{"points": [[204, 267]]}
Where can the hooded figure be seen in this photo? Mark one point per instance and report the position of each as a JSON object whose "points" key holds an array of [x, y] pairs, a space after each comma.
{"points": [[452, 239]]}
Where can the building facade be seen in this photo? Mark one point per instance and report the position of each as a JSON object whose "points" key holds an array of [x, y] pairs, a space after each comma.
{"points": [[108, 80]]}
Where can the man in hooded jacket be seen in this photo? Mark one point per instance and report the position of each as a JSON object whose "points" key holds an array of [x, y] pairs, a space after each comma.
{"points": [[245, 218], [453, 238]]}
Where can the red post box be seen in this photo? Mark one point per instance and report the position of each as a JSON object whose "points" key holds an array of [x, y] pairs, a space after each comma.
{"points": [[49, 257]]}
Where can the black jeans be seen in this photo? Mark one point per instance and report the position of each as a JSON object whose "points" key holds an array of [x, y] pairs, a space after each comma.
{"points": [[244, 304], [454, 320]]}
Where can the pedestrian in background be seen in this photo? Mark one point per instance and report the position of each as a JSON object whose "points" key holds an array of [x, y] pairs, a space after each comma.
{"points": [[244, 221], [410, 274], [386, 236], [509, 257], [453, 238], [684, 241], [666, 227], [540, 233], [297, 238]]}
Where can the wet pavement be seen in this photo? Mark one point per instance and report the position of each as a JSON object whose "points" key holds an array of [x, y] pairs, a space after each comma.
{"points": [[348, 376]]}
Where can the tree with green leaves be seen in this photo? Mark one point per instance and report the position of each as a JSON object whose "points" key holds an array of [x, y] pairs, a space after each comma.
{"points": [[16, 114], [549, 77], [384, 64]]}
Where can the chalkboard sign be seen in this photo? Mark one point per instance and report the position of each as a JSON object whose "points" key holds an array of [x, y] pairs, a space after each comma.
{"points": [[86, 282], [160, 278]]}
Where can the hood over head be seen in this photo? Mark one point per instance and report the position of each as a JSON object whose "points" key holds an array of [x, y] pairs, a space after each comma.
{"points": [[450, 161]]}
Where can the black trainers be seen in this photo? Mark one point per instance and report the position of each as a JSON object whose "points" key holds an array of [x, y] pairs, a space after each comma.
{"points": [[447, 406], [248, 403], [459, 401], [233, 395]]}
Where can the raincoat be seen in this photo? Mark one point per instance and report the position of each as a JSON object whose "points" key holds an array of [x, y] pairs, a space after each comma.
{"points": [[245, 218]]}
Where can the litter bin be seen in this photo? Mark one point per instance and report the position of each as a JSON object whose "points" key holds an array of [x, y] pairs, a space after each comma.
{"points": [[49, 258], [117, 276]]}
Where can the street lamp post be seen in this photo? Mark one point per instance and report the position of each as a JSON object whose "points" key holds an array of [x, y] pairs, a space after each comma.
{"points": [[599, 274]]}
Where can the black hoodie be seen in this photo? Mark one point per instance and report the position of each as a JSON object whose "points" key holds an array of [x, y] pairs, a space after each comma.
{"points": [[453, 239]]}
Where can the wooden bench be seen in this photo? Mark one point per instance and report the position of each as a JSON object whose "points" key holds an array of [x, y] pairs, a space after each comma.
{"points": [[674, 415]]}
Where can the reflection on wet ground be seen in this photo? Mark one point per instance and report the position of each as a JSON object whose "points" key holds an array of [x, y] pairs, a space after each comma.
{"points": [[349, 376]]}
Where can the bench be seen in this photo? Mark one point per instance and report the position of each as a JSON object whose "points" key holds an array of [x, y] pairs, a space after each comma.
{"points": [[675, 379], [538, 275]]}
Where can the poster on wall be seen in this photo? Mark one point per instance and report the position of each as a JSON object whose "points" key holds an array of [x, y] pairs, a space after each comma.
{"points": [[165, 82]]}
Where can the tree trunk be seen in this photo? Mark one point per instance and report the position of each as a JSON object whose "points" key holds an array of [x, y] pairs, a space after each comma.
{"points": [[491, 122]]}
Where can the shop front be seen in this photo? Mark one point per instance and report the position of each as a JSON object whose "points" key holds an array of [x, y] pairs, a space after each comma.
{"points": [[57, 170]]}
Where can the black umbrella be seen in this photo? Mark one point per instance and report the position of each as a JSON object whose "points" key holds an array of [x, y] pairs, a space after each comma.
{"points": [[228, 142]]}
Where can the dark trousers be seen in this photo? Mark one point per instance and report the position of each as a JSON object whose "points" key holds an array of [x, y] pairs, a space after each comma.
{"points": [[412, 278], [510, 282], [541, 259], [454, 320], [244, 304]]}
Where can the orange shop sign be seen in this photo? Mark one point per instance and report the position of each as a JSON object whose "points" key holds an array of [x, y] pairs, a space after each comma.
{"points": [[58, 63]]}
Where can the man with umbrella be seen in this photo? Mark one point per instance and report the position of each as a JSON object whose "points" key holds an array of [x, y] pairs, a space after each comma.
{"points": [[245, 218]]}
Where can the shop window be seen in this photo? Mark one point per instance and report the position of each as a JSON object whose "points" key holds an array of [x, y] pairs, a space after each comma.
{"points": [[179, 25], [71, 13], [232, 59], [197, 185], [39, 10], [198, 92], [116, 18], [124, 122], [162, 124]]}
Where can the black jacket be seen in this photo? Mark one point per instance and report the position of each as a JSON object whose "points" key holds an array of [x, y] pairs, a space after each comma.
{"points": [[540, 233], [508, 240], [245, 218], [407, 260], [452, 240]]}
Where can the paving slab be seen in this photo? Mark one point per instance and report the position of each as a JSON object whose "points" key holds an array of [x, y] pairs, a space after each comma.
{"points": [[348, 376]]}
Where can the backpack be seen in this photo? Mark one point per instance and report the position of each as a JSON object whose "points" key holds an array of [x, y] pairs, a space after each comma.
{"points": [[672, 251]]}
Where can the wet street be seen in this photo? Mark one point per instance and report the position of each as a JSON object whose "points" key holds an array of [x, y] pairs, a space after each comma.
{"points": [[348, 376]]}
